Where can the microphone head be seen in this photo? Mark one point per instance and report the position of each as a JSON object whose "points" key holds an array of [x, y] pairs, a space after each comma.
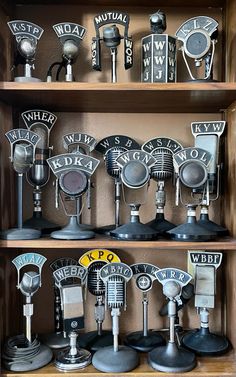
{"points": [[27, 48], [22, 157], [30, 283], [115, 292], [193, 174], [158, 22], [95, 284], [163, 168], [111, 36], [70, 49], [113, 169], [73, 182], [135, 174], [171, 289]]}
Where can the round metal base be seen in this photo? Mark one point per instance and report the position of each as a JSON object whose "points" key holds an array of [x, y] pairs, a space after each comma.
{"points": [[92, 341], [42, 224], [160, 224], [171, 359], [106, 229], [191, 232], [65, 362], [106, 360], [20, 234], [134, 231], [55, 340], [205, 343], [210, 225], [37, 361], [26, 79], [143, 343]]}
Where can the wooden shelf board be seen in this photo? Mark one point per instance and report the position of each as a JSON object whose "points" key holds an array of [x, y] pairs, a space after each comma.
{"points": [[120, 97], [177, 3], [224, 366], [105, 242]]}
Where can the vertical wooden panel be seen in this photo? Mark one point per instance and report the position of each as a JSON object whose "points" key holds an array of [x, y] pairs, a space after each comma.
{"points": [[230, 26]]}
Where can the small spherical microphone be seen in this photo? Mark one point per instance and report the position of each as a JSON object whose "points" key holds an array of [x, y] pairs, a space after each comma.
{"points": [[22, 157], [70, 49], [158, 22], [111, 36], [30, 283], [171, 289], [186, 295], [95, 284], [27, 48], [115, 292]]}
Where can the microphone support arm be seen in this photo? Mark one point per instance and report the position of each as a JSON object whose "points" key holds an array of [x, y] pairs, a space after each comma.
{"points": [[19, 200]]}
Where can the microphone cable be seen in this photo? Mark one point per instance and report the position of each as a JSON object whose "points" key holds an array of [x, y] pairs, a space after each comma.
{"points": [[17, 349]]}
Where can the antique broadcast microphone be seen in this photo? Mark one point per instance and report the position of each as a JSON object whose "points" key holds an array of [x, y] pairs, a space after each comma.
{"points": [[94, 260], [171, 358], [202, 341], [40, 122], [112, 147], [207, 136], [145, 340], [192, 171], [24, 352], [111, 38], [72, 171], [23, 144], [57, 339], [115, 359], [27, 35], [162, 148], [72, 304], [135, 174], [158, 52], [198, 38], [77, 142], [70, 36]]}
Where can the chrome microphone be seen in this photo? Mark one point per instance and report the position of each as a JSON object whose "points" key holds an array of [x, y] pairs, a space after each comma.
{"points": [[115, 358], [41, 122], [162, 149]]}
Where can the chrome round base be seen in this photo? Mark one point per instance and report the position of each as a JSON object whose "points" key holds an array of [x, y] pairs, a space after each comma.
{"points": [[26, 79], [66, 362]]}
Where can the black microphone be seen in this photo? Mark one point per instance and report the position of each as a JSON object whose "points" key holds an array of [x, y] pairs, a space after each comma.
{"points": [[95, 284], [111, 36], [186, 295], [158, 22]]}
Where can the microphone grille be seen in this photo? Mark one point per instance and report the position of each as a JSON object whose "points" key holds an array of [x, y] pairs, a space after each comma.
{"points": [[112, 167], [95, 284], [163, 168], [116, 292]]}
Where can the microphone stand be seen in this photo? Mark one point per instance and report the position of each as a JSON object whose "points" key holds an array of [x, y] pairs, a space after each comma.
{"points": [[113, 64]]}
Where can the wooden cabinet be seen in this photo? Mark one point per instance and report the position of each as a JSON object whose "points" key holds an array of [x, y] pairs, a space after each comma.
{"points": [[93, 105]]}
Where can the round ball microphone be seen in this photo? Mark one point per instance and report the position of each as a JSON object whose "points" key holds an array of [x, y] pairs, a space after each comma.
{"points": [[70, 49], [115, 292], [27, 48], [111, 36], [186, 295], [158, 22], [95, 284]]}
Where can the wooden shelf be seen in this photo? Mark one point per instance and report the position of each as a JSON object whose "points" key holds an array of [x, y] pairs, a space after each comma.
{"points": [[174, 3], [120, 97], [224, 366], [105, 242]]}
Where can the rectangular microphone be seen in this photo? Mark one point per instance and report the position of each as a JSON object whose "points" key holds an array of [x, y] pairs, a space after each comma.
{"points": [[205, 286], [72, 307]]}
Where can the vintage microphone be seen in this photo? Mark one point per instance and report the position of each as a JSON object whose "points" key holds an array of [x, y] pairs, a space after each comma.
{"points": [[145, 340], [70, 36], [171, 358], [24, 352], [111, 148], [112, 38], [162, 149], [115, 358], [23, 143], [40, 122], [94, 260]]}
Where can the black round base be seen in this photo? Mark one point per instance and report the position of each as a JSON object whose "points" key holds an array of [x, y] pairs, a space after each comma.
{"points": [[42, 224], [55, 340], [93, 342], [134, 231], [191, 232], [210, 225], [205, 343], [161, 225], [143, 343], [106, 360], [106, 229], [171, 359]]}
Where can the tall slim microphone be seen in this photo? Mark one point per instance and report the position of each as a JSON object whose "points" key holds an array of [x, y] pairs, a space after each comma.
{"points": [[115, 358], [112, 38]]}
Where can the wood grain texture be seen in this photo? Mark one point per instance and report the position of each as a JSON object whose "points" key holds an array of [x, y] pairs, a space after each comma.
{"points": [[174, 3], [120, 97], [224, 366], [230, 32]]}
